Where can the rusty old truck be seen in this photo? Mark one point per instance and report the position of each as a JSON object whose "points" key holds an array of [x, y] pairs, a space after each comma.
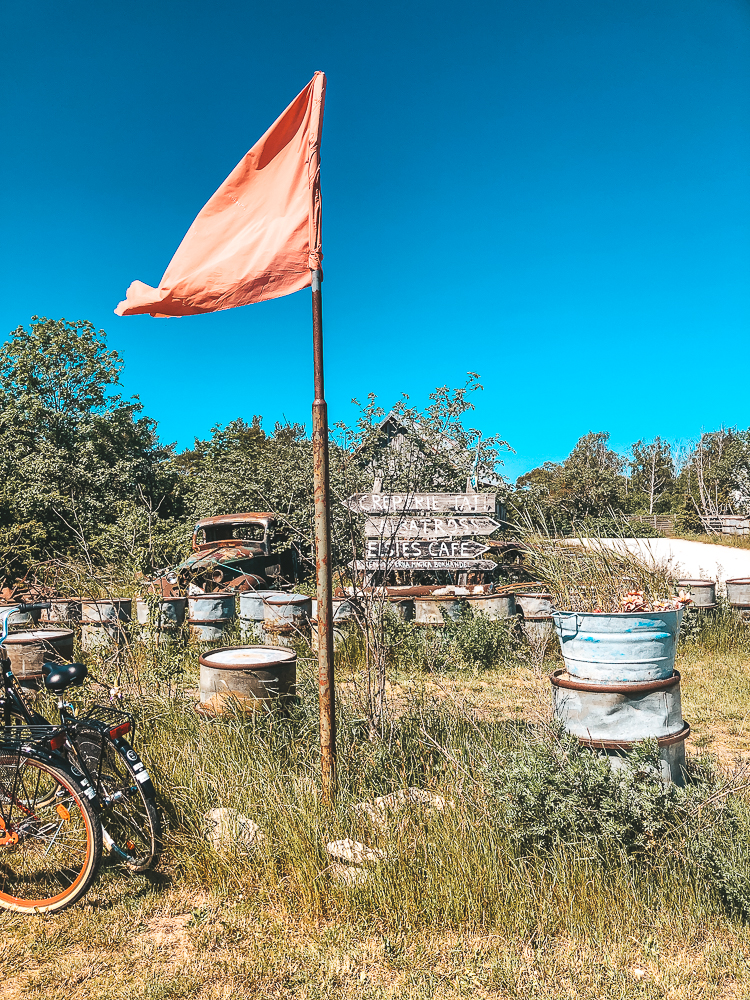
{"points": [[233, 545]]}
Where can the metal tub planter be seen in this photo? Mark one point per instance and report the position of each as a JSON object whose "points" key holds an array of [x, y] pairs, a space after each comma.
{"points": [[166, 614], [702, 592], [245, 678], [494, 606], [624, 647], [738, 592]]}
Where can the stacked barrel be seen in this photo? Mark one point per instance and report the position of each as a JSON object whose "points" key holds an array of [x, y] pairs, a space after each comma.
{"points": [[619, 686]]}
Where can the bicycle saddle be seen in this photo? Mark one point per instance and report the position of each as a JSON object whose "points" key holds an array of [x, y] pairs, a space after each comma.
{"points": [[59, 677]]}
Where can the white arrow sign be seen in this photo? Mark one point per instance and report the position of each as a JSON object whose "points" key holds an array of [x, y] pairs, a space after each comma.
{"points": [[428, 528]]}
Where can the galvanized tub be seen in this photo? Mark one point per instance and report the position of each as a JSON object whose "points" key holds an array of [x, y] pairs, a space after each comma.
{"points": [[339, 636], [211, 607], [430, 610], [210, 631], [252, 604], [107, 612], [247, 677], [29, 651], [287, 612], [628, 647], [534, 605], [738, 592], [540, 628], [63, 609], [614, 713], [702, 592], [168, 613], [103, 638], [494, 606]]}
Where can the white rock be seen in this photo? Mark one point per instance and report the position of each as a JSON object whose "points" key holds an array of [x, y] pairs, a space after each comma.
{"points": [[354, 852], [348, 874], [380, 810], [228, 828]]}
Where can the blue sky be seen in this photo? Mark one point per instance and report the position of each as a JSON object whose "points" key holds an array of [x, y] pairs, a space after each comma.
{"points": [[551, 193]]}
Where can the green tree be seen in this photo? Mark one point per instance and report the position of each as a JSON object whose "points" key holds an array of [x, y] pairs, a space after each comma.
{"points": [[76, 459]]}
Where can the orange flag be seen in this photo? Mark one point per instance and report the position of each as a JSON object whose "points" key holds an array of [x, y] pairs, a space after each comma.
{"points": [[259, 235]]}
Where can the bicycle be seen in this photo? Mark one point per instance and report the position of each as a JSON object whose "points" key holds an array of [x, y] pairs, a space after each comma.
{"points": [[50, 835], [95, 749]]}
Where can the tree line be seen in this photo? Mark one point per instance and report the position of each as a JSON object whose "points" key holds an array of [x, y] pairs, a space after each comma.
{"points": [[86, 477]]}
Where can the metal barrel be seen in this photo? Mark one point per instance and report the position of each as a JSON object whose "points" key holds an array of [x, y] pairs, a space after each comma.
{"points": [[430, 610], [339, 635], [403, 606], [624, 647], [252, 603], [702, 592], [209, 631], [534, 605], [108, 611], [210, 607], [101, 637], [738, 592], [29, 651], [63, 609], [168, 613], [288, 612], [538, 628], [494, 606], [616, 713], [246, 677]]}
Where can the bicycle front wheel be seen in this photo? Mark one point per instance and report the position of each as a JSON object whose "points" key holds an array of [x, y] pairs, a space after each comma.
{"points": [[50, 837]]}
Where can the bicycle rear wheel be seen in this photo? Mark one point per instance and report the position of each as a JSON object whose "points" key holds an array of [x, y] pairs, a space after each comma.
{"points": [[129, 817], [50, 838]]}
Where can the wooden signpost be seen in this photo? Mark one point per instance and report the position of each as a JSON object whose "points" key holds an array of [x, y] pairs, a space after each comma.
{"points": [[408, 526], [422, 503], [425, 531]]}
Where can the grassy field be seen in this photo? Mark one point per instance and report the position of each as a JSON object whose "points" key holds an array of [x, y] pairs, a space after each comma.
{"points": [[477, 899]]}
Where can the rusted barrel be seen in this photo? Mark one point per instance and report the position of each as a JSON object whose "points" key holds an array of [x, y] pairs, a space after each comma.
{"points": [[494, 606], [431, 610], [167, 614], [63, 609], [340, 632], [103, 638], [211, 607], [702, 592], [211, 631], [252, 604], [108, 611], [246, 677], [738, 592], [29, 651], [538, 628], [534, 605], [617, 712], [287, 612]]}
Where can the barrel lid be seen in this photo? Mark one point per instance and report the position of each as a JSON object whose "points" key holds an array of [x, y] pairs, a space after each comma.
{"points": [[103, 600], [277, 598], [246, 657], [249, 595], [37, 635], [700, 583]]}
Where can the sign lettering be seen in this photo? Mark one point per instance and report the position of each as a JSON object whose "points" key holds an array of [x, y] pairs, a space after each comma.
{"points": [[422, 503], [409, 526], [420, 549]]}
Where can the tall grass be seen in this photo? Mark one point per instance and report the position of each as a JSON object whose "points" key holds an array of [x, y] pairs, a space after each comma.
{"points": [[492, 859]]}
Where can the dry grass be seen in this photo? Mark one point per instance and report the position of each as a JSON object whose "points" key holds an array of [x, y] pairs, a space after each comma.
{"points": [[216, 926]]}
